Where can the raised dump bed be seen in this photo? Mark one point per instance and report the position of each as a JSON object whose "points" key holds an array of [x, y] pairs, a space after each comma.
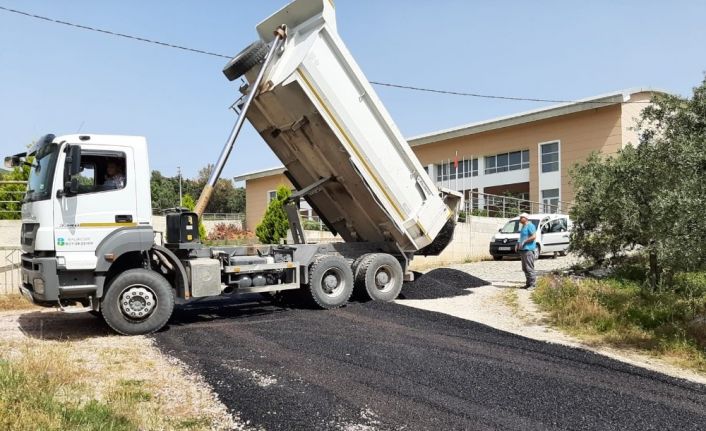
{"points": [[324, 121]]}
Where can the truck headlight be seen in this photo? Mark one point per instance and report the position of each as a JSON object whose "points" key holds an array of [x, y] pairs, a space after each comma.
{"points": [[38, 284]]}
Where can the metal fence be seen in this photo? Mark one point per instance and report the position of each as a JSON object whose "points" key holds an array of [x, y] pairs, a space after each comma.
{"points": [[9, 269], [223, 217], [488, 205], [9, 197]]}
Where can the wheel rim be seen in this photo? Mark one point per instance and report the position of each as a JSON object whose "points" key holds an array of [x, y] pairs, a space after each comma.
{"points": [[332, 282], [384, 278], [137, 302]]}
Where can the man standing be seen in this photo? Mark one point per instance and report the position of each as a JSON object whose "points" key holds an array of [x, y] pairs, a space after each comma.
{"points": [[526, 246]]}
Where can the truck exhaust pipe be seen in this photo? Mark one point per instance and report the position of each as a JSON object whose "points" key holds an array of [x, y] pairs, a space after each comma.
{"points": [[205, 196]]}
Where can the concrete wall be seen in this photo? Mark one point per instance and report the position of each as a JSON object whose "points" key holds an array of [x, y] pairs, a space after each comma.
{"points": [[471, 242], [10, 232]]}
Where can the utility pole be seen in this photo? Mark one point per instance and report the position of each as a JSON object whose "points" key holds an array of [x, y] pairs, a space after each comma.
{"points": [[179, 174]]}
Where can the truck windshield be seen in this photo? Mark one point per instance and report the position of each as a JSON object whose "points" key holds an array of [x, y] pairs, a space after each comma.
{"points": [[41, 175], [513, 226]]}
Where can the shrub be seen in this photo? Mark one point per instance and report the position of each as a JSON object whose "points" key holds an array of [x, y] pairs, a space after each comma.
{"points": [[274, 224], [230, 231], [314, 225]]}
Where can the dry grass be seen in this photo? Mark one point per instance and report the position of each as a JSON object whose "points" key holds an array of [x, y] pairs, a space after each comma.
{"points": [[99, 383], [617, 313], [42, 389], [14, 302], [510, 298]]}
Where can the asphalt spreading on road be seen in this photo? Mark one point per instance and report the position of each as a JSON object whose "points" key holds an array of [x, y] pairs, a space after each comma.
{"points": [[386, 366], [440, 283]]}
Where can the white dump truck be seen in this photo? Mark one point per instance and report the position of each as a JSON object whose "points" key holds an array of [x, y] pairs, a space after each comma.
{"points": [[87, 237]]}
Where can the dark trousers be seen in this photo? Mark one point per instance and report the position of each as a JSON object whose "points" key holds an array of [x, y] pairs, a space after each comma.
{"points": [[527, 258]]}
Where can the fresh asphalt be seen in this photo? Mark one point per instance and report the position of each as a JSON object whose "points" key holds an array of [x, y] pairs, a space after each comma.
{"points": [[389, 367]]}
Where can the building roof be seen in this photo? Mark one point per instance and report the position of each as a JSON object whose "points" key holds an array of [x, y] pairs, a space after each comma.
{"points": [[260, 174], [530, 116], [588, 103]]}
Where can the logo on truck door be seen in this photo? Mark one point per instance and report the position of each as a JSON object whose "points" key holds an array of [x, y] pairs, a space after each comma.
{"points": [[73, 242]]}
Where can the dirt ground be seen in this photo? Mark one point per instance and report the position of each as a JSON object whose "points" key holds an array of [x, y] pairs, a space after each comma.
{"points": [[179, 398], [497, 301]]}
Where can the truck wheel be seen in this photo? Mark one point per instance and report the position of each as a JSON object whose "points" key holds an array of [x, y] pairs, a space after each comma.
{"points": [[245, 60], [359, 277], [330, 281], [382, 275], [138, 301]]}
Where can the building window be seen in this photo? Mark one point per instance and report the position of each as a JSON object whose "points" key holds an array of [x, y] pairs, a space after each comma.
{"points": [[504, 162], [550, 200], [550, 157], [272, 194], [448, 171]]}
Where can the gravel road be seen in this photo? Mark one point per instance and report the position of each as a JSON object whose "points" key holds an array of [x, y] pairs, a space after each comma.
{"points": [[389, 366]]}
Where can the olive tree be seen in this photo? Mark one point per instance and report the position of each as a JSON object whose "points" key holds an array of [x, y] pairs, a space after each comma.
{"points": [[649, 198]]}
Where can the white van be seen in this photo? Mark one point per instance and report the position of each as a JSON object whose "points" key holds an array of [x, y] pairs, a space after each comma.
{"points": [[553, 236]]}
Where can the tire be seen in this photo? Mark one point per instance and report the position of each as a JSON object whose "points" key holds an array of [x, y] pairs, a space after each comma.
{"points": [[382, 276], [245, 60], [330, 281], [562, 253], [537, 252], [148, 292], [495, 257], [359, 278]]}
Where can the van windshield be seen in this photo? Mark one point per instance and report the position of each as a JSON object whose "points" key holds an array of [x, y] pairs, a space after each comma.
{"points": [[41, 175], [513, 226]]}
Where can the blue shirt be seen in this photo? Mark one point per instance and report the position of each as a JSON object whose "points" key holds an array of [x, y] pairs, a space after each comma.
{"points": [[527, 231]]}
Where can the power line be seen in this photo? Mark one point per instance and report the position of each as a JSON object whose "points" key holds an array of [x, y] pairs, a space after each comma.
{"points": [[382, 84], [112, 33]]}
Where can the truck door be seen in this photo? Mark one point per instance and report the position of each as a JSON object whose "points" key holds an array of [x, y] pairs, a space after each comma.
{"points": [[105, 201]]}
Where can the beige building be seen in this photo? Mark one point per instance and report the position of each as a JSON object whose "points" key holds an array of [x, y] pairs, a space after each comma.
{"points": [[526, 155]]}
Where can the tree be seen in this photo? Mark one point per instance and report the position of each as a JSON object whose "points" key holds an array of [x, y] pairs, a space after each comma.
{"points": [[649, 198], [274, 224], [11, 194], [225, 198], [165, 191]]}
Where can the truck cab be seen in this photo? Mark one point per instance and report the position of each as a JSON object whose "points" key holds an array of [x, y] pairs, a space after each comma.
{"points": [[87, 195]]}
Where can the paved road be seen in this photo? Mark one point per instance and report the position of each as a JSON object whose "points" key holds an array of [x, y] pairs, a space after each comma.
{"points": [[387, 366]]}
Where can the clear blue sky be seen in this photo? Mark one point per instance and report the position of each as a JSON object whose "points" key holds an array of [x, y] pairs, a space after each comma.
{"points": [[54, 79]]}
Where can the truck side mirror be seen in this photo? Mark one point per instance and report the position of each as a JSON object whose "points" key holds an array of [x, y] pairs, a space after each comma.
{"points": [[73, 168], [12, 162], [73, 160]]}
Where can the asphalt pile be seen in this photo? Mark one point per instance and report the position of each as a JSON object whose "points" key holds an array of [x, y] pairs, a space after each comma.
{"points": [[440, 283]]}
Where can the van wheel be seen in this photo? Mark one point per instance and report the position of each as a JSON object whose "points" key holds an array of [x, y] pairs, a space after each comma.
{"points": [[496, 257], [382, 276], [330, 281], [537, 252], [562, 253], [138, 301]]}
